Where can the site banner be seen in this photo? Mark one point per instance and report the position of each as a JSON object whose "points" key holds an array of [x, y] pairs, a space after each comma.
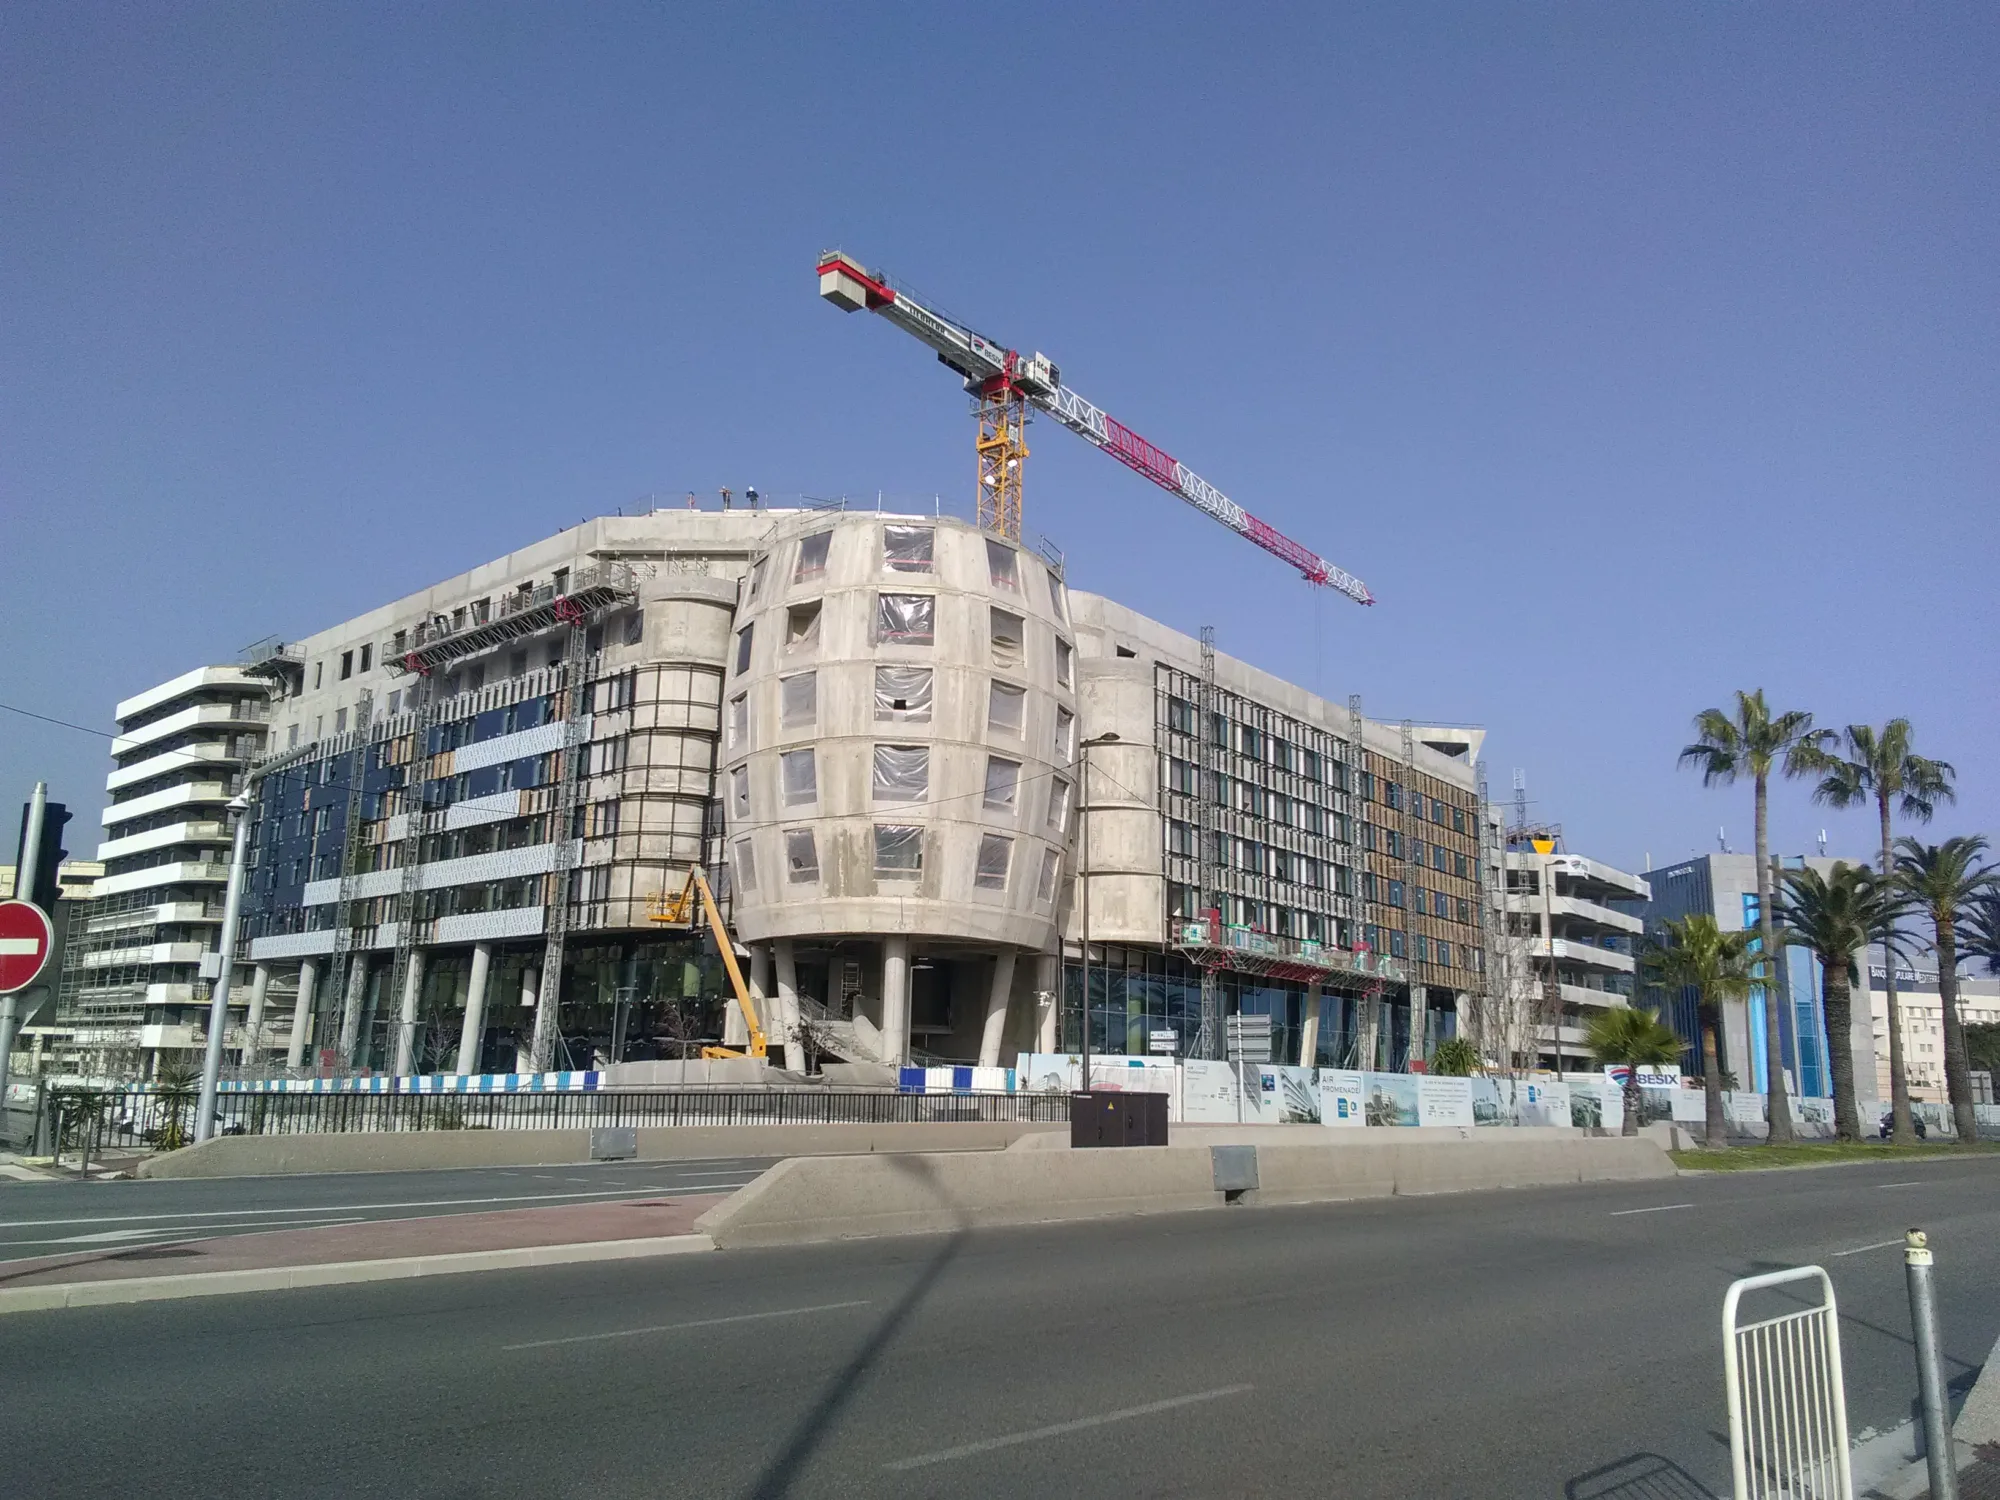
{"points": [[1444, 1101], [1392, 1099], [1341, 1096]]}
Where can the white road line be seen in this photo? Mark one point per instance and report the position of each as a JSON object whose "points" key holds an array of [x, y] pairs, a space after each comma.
{"points": [[1059, 1429], [343, 1208], [118, 1236], [1913, 1182], [1660, 1209], [627, 1333], [1860, 1249]]}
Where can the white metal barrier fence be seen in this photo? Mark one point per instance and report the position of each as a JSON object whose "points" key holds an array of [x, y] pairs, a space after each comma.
{"points": [[1787, 1398]]}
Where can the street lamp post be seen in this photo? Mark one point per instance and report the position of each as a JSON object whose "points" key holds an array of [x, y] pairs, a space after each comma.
{"points": [[218, 1004], [1083, 881]]}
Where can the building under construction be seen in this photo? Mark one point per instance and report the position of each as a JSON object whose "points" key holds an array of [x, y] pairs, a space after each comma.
{"points": [[873, 731]]}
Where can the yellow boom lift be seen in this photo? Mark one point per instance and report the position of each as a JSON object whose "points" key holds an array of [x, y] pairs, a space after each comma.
{"points": [[680, 909]]}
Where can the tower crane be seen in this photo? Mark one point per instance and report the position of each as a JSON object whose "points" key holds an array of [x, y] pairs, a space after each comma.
{"points": [[1006, 384]]}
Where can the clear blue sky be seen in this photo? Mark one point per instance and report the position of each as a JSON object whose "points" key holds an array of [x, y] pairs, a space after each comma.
{"points": [[1632, 354]]}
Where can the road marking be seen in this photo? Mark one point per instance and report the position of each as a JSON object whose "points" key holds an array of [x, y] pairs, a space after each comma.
{"points": [[627, 1333], [1060, 1429], [1913, 1182], [1660, 1209], [117, 1236], [1860, 1249], [344, 1208]]}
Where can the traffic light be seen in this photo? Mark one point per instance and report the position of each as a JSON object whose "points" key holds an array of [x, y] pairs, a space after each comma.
{"points": [[43, 888]]}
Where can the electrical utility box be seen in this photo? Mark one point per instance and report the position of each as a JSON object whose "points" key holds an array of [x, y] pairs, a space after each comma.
{"points": [[1108, 1119]]}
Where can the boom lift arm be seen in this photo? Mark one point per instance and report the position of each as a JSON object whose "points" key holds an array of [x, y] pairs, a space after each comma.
{"points": [[680, 908], [1006, 382]]}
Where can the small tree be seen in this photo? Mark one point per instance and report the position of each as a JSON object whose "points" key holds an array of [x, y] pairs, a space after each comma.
{"points": [[1455, 1057], [1694, 953], [177, 1086], [1835, 916], [1632, 1038]]}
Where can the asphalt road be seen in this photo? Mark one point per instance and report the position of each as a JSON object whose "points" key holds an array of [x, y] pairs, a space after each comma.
{"points": [[1558, 1342], [58, 1218]]}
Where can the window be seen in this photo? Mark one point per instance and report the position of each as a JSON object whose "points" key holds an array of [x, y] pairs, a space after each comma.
{"points": [[603, 816], [1180, 837], [1059, 804], [1423, 947], [1064, 652], [1309, 764], [319, 669], [903, 693], [1416, 851], [739, 792], [1441, 857], [899, 851], [292, 737], [1003, 782], [1006, 708], [905, 619], [1397, 946], [743, 649], [996, 856], [902, 773], [340, 721], [367, 656], [1000, 566], [1065, 735], [1181, 777], [798, 775], [802, 626], [739, 722], [907, 549], [1281, 754], [1395, 893], [1444, 954], [346, 665], [1250, 742], [801, 857], [1045, 888], [1180, 716], [1009, 635], [1056, 601], [746, 866], [798, 700], [812, 556], [757, 576], [1368, 886], [1464, 910]]}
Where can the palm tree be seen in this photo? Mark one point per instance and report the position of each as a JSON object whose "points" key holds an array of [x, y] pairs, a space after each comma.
{"points": [[1947, 880], [1753, 744], [1693, 952], [1837, 916], [1979, 930], [1879, 765], [1634, 1039]]}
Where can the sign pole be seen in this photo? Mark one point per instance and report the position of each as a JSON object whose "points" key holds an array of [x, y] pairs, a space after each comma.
{"points": [[31, 859], [218, 1003]]}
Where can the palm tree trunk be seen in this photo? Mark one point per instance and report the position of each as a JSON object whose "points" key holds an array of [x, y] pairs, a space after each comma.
{"points": [[1838, 996], [1904, 1127], [1779, 1110], [1634, 1102], [1957, 1069], [1711, 1078]]}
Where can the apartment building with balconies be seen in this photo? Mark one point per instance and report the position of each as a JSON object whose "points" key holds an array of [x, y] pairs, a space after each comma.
{"points": [[1572, 923]]}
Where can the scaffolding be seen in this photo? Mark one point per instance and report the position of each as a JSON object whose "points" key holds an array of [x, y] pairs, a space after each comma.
{"points": [[1209, 1040], [569, 793]]}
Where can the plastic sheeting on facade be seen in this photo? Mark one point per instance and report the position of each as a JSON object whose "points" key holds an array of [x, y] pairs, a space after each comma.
{"points": [[903, 693], [907, 549], [1006, 708], [746, 866], [739, 721], [801, 856], [1003, 781], [802, 626], [902, 773], [1009, 634], [799, 776], [899, 849], [812, 556], [1059, 804], [1000, 566], [996, 854], [906, 619], [798, 700], [1045, 888]]}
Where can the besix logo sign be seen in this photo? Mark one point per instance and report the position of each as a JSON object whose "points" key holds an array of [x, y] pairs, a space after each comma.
{"points": [[1649, 1078]]}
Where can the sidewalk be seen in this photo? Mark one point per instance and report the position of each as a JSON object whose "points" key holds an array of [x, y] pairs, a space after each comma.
{"points": [[375, 1251]]}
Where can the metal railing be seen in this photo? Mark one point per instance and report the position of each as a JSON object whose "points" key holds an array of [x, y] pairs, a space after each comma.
{"points": [[1787, 1398], [149, 1117]]}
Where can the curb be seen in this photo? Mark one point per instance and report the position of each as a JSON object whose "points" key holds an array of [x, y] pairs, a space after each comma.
{"points": [[337, 1273]]}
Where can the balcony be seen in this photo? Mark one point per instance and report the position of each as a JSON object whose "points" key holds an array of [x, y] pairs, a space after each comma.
{"points": [[150, 953], [1577, 909], [179, 873], [1583, 955], [188, 758], [163, 838], [215, 716]]}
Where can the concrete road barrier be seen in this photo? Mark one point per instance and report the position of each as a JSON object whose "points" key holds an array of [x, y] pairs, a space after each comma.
{"points": [[806, 1200], [419, 1150]]}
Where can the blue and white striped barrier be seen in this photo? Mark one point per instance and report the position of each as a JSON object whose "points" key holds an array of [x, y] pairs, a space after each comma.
{"points": [[579, 1082], [955, 1081]]}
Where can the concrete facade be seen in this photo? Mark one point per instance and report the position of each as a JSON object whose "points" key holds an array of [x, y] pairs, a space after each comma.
{"points": [[1921, 1011], [1582, 914]]}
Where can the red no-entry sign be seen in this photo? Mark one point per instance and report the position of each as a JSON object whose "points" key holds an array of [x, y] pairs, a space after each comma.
{"points": [[25, 941]]}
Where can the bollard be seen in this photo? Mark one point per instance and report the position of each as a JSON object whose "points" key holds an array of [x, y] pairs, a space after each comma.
{"points": [[1930, 1367]]}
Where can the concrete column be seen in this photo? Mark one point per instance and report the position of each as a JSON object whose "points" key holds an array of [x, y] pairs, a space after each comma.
{"points": [[302, 1009], [531, 986], [253, 1023], [896, 999], [1048, 1002], [1371, 1031], [350, 1006], [475, 1009], [406, 1018], [996, 1008], [1419, 1020], [758, 982], [1309, 1031], [788, 1004]]}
